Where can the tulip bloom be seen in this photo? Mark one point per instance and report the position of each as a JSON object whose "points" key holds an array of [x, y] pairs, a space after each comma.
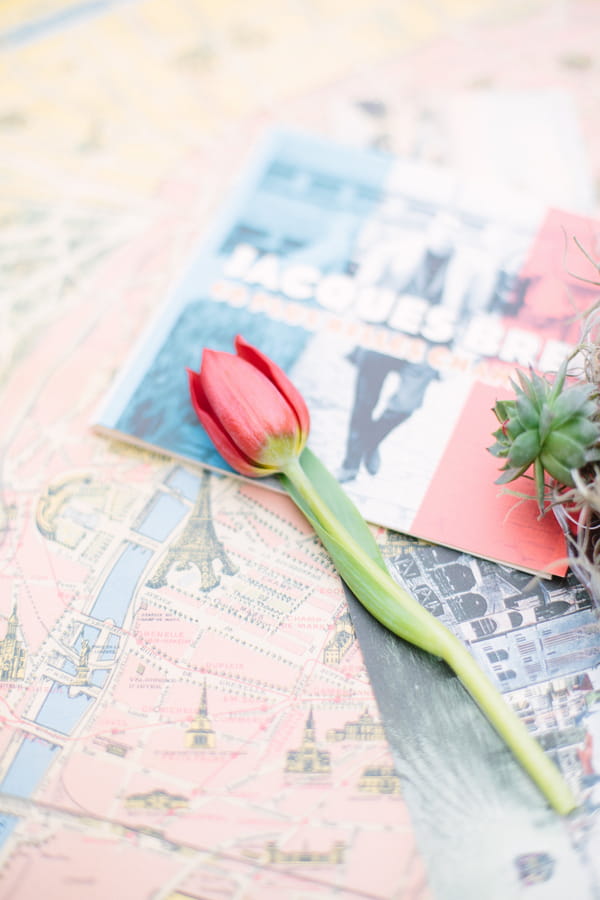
{"points": [[252, 412], [259, 423]]}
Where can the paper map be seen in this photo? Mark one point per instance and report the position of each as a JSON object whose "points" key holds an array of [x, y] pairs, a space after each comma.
{"points": [[156, 743]]}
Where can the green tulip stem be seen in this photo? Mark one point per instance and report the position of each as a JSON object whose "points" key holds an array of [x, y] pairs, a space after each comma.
{"points": [[398, 611]]}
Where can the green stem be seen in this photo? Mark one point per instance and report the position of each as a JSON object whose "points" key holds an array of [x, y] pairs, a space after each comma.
{"points": [[398, 610]]}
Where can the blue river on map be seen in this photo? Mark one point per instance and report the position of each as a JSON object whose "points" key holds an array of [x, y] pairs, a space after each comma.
{"points": [[63, 707], [24, 774], [98, 677], [117, 591], [69, 667], [60, 711], [185, 482], [164, 514], [90, 634], [109, 651]]}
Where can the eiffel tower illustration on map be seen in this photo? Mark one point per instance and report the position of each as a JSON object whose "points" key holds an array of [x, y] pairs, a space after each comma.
{"points": [[197, 545]]}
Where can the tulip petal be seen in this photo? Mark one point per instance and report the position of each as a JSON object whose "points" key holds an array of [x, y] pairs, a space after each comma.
{"points": [[279, 379], [217, 434], [249, 409]]}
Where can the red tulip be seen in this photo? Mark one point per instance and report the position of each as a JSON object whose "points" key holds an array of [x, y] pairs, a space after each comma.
{"points": [[259, 423], [252, 412]]}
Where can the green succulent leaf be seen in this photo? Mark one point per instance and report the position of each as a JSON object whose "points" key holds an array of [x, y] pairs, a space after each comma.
{"points": [[540, 482], [525, 386], [510, 474], [559, 382], [527, 412], [503, 410], [574, 400], [582, 430], [525, 448], [556, 468], [545, 422], [565, 449], [513, 428], [499, 448], [536, 388]]}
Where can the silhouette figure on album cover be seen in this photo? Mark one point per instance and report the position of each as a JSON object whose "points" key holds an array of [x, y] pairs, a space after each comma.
{"points": [[365, 433]]}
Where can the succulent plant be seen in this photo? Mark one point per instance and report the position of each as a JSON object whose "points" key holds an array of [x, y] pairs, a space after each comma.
{"points": [[552, 426]]}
